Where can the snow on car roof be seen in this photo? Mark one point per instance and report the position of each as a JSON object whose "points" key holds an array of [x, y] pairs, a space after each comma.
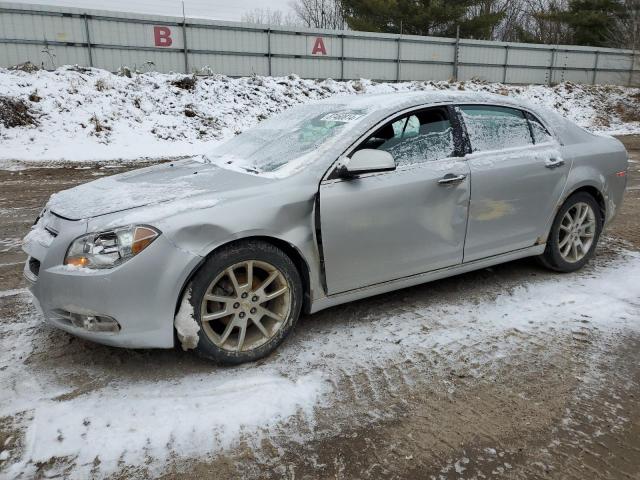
{"points": [[383, 101]]}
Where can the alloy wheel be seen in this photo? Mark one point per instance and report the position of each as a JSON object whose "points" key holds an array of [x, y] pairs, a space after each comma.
{"points": [[576, 232], [245, 306]]}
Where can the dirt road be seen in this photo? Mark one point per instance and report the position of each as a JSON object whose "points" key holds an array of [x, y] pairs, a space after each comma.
{"points": [[508, 372]]}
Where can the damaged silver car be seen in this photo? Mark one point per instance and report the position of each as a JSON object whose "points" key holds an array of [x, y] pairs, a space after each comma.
{"points": [[326, 203]]}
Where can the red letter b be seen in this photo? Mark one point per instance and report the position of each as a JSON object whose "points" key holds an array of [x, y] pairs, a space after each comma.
{"points": [[162, 36]]}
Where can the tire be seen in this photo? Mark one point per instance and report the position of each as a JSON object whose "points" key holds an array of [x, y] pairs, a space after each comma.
{"points": [[244, 311], [554, 256]]}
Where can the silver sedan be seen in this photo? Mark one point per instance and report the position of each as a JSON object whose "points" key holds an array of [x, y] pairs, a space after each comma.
{"points": [[326, 203]]}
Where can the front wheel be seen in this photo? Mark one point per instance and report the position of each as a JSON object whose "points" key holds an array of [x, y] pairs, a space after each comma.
{"points": [[246, 299], [574, 234]]}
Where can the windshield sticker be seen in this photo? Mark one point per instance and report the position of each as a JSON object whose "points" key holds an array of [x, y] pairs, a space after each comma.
{"points": [[343, 117]]}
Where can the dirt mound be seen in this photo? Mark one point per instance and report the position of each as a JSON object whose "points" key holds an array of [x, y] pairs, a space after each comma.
{"points": [[186, 83], [15, 113], [26, 67]]}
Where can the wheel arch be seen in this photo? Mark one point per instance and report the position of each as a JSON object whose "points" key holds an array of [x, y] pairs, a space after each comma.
{"points": [[290, 250], [595, 192]]}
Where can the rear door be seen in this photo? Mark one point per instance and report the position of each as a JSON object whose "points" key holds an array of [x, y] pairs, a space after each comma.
{"points": [[517, 178], [387, 225]]}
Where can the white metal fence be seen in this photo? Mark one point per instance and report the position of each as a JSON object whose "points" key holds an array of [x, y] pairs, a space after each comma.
{"points": [[51, 36]]}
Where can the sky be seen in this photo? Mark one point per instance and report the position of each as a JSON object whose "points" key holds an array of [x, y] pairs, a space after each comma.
{"points": [[231, 10]]}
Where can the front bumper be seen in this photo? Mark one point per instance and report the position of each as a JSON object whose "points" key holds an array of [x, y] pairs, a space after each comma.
{"points": [[141, 294]]}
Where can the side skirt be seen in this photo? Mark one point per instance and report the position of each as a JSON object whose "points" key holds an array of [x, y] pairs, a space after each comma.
{"points": [[364, 292]]}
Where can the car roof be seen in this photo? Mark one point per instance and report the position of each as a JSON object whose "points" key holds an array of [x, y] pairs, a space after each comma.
{"points": [[400, 100]]}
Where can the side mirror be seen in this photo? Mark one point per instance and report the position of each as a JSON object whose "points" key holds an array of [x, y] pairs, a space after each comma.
{"points": [[368, 160]]}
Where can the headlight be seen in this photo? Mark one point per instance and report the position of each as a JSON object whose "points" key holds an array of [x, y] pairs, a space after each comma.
{"points": [[110, 248]]}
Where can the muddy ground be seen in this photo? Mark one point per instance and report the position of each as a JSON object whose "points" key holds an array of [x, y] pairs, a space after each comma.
{"points": [[549, 401]]}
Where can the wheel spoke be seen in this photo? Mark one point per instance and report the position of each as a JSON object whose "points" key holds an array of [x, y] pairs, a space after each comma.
{"points": [[574, 250], [227, 331], [269, 280], [243, 333], [250, 274], [261, 327], [588, 225], [276, 294], [566, 250], [565, 227], [564, 241], [216, 315], [265, 312], [232, 276], [583, 215], [218, 298]]}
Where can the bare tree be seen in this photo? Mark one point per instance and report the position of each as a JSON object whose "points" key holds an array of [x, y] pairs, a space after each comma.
{"points": [[267, 16], [626, 33], [319, 13], [537, 25]]}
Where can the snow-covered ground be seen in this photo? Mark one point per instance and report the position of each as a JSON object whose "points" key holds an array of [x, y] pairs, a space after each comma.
{"points": [[91, 114], [200, 414]]}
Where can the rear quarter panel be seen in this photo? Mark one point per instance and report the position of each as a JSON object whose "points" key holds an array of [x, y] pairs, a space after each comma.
{"points": [[598, 163]]}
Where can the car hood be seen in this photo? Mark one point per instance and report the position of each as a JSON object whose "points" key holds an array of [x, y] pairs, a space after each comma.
{"points": [[148, 186]]}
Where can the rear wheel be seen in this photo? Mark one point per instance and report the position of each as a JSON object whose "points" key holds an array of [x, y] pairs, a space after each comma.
{"points": [[247, 299], [574, 234]]}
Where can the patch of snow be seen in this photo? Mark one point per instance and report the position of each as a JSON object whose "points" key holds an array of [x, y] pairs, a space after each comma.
{"points": [[38, 235], [134, 422], [13, 292], [9, 244], [77, 269], [128, 424], [147, 117], [186, 324]]}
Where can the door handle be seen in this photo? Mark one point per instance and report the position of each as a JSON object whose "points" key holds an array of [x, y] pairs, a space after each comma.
{"points": [[553, 162], [451, 179]]}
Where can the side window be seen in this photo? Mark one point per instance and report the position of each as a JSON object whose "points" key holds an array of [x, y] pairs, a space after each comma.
{"points": [[495, 128], [420, 137], [540, 133]]}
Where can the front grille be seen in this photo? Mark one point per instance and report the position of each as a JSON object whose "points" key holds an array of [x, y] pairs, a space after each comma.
{"points": [[52, 232], [34, 266]]}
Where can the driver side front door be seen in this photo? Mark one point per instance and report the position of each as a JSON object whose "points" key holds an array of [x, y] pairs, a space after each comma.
{"points": [[383, 226]]}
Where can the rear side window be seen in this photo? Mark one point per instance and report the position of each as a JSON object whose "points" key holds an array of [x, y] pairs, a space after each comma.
{"points": [[495, 128], [540, 133]]}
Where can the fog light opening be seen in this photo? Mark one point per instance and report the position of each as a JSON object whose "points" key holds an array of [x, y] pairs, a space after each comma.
{"points": [[94, 323]]}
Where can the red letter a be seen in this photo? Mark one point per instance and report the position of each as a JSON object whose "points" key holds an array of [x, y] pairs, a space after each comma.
{"points": [[318, 47]]}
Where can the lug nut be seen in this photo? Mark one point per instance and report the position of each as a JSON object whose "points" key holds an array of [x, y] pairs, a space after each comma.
{"points": [[241, 315], [236, 305], [254, 298], [253, 310], [244, 295]]}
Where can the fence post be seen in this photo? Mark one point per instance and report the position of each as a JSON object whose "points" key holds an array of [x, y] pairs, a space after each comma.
{"points": [[506, 63], [88, 35], [456, 51], [342, 56], [595, 68], [552, 65], [398, 60], [269, 49], [184, 41], [633, 64]]}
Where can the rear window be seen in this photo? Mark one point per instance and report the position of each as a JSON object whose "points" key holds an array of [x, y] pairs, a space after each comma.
{"points": [[495, 128]]}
